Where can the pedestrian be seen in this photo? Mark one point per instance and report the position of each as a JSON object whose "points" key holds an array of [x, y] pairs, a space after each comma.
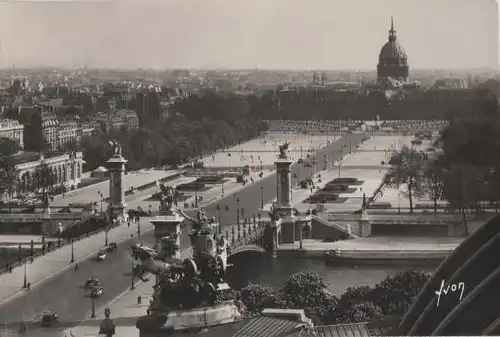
{"points": [[128, 224], [76, 267], [139, 299]]}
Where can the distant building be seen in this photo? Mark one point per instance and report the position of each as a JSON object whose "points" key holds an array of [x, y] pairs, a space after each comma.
{"points": [[67, 169], [393, 61], [12, 129], [67, 133], [118, 119], [49, 126]]}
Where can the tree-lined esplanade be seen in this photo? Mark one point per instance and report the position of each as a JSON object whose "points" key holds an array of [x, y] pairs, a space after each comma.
{"points": [[466, 173]]}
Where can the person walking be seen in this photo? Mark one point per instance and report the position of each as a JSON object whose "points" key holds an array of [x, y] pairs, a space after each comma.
{"points": [[76, 267]]}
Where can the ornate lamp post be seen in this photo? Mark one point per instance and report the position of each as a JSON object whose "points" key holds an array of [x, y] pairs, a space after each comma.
{"points": [[262, 197], [92, 315], [99, 194], [25, 283], [340, 160], [132, 285], [220, 221], [72, 246], [238, 211]]}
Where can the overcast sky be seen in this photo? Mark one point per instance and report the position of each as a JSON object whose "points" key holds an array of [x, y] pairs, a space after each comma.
{"points": [[276, 34]]}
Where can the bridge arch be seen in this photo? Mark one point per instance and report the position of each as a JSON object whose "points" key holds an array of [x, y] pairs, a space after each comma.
{"points": [[246, 248]]}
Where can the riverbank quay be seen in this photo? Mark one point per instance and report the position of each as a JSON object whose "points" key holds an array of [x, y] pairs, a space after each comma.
{"points": [[374, 249]]}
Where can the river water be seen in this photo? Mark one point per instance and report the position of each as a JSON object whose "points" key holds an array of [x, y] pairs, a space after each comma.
{"points": [[256, 268]]}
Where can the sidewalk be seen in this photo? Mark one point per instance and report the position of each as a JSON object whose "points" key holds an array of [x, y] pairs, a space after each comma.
{"points": [[124, 310], [55, 262]]}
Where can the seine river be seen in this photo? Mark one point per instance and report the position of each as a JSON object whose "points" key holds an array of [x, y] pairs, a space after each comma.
{"points": [[255, 268]]}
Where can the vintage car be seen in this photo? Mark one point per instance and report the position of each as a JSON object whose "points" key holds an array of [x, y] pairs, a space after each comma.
{"points": [[97, 292], [112, 247], [91, 282], [48, 319], [101, 255]]}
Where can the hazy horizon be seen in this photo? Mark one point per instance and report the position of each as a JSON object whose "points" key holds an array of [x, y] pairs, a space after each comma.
{"points": [[235, 34]]}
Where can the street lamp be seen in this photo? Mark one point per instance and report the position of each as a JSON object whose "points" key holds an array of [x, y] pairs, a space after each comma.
{"points": [[72, 248], [25, 283], [340, 160], [106, 230], [238, 211], [138, 226], [99, 194], [220, 223], [93, 306], [132, 285], [262, 197]]}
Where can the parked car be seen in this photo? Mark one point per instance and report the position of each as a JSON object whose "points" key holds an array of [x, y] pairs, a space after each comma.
{"points": [[112, 247], [92, 282], [97, 292], [101, 255]]}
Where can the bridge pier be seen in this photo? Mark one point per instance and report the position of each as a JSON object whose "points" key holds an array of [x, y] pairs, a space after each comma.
{"points": [[117, 205]]}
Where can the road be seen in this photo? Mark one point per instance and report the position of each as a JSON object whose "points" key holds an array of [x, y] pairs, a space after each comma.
{"points": [[251, 197], [64, 295]]}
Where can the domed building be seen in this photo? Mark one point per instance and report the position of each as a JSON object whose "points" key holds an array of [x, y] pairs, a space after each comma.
{"points": [[392, 60]]}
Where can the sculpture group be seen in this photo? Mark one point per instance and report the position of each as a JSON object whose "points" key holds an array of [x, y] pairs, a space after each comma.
{"points": [[192, 282]]}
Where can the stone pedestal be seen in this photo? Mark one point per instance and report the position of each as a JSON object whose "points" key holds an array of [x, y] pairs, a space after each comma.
{"points": [[192, 320], [365, 227], [117, 205], [284, 185], [166, 225]]}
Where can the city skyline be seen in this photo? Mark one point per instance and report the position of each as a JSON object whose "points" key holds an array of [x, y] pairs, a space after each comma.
{"points": [[264, 34]]}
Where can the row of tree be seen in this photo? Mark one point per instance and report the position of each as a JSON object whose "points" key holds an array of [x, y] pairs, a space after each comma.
{"points": [[308, 291], [201, 125], [466, 174], [42, 178]]}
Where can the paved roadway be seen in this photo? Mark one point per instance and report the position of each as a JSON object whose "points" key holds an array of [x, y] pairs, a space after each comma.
{"points": [[114, 272], [64, 294], [251, 196]]}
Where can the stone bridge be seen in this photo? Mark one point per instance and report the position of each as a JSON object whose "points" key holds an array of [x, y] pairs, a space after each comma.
{"points": [[247, 237]]}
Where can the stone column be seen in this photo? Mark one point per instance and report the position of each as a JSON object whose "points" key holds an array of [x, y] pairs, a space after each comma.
{"points": [[116, 167], [284, 184], [365, 227]]}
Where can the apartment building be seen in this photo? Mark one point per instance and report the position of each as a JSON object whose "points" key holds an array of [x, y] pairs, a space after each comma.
{"points": [[12, 129]]}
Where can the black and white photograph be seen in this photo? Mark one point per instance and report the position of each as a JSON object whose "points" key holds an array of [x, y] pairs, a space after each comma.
{"points": [[265, 168]]}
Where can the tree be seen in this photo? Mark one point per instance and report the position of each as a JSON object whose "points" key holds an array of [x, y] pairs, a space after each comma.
{"points": [[257, 297], [359, 312], [464, 187], [306, 290], [8, 147], [433, 181], [406, 169], [394, 295], [44, 177], [8, 177]]}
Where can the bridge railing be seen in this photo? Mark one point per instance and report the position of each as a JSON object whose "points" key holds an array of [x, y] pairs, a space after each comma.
{"points": [[247, 233], [22, 259]]}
